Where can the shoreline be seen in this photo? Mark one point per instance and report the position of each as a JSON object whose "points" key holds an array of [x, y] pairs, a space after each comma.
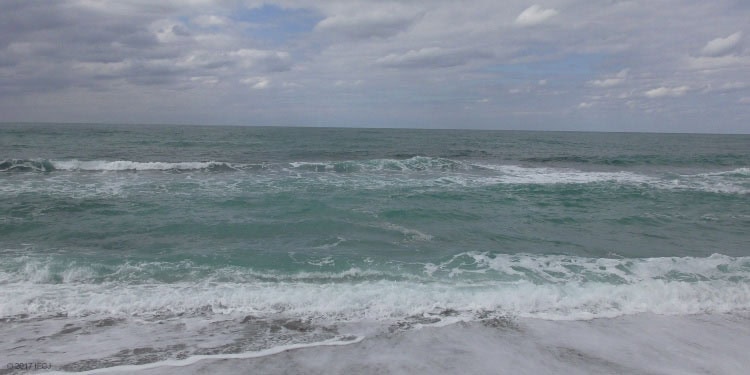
{"points": [[633, 344]]}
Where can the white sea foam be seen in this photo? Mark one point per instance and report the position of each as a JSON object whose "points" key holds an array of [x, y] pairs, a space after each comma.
{"points": [[417, 163], [644, 344], [378, 300], [548, 287], [339, 341], [417, 172], [421, 172], [733, 172], [126, 165], [408, 233], [718, 182], [566, 269]]}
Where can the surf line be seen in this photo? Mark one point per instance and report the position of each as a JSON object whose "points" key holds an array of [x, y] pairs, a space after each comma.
{"points": [[339, 341]]}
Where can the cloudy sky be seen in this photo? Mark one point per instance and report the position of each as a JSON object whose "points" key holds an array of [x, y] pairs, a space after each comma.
{"points": [[614, 65]]}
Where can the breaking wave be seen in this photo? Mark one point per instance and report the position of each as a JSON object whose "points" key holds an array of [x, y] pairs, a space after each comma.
{"points": [[43, 165], [418, 169], [543, 286]]}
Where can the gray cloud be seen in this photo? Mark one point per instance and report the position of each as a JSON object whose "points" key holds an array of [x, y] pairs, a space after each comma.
{"points": [[51, 46], [722, 46], [367, 21], [611, 81], [431, 57], [613, 65]]}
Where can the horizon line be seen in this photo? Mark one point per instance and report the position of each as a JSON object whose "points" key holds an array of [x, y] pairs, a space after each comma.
{"points": [[357, 127]]}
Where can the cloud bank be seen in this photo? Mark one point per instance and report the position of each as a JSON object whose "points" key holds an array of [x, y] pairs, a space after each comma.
{"points": [[557, 65]]}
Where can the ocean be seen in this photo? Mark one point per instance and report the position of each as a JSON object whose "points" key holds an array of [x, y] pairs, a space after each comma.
{"points": [[152, 249]]}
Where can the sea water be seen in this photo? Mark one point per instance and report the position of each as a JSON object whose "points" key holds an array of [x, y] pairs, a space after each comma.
{"points": [[134, 247]]}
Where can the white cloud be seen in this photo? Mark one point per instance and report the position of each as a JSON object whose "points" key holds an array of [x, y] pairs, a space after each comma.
{"points": [[372, 21], [209, 20], [718, 63], [256, 54], [345, 83], [729, 86], [584, 105], [611, 81], [662, 92], [535, 15], [205, 80], [274, 61], [168, 31], [291, 85], [434, 57], [257, 83], [202, 59], [726, 87], [722, 46]]}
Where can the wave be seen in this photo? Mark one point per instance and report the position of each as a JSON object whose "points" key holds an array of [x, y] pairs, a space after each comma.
{"points": [[726, 160], [739, 172], [124, 165], [43, 165], [547, 287], [414, 163], [418, 171], [23, 165], [472, 266]]}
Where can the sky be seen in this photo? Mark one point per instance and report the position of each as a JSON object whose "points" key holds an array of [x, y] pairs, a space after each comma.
{"points": [[605, 65]]}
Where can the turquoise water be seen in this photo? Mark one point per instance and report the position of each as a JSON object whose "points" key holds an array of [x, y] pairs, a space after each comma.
{"points": [[144, 225]]}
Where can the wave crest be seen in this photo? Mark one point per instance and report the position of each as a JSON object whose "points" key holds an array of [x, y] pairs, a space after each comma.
{"points": [[24, 165], [419, 170], [415, 163], [548, 287], [126, 165]]}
